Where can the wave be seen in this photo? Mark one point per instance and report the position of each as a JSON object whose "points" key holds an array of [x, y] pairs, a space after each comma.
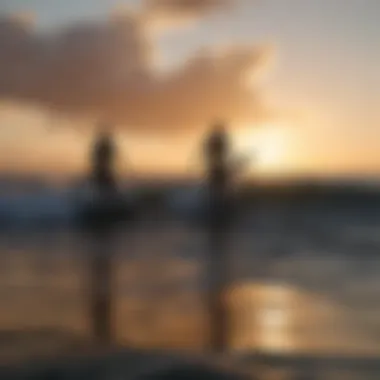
{"points": [[48, 208]]}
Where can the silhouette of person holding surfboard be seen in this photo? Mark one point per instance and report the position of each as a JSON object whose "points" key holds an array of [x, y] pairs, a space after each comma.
{"points": [[222, 168], [216, 154]]}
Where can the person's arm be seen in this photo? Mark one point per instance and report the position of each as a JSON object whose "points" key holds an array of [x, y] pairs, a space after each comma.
{"points": [[241, 164]]}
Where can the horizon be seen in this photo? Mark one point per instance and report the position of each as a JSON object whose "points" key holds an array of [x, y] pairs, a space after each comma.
{"points": [[69, 179]]}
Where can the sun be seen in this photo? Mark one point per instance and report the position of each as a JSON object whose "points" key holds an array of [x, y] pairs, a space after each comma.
{"points": [[267, 145], [271, 148]]}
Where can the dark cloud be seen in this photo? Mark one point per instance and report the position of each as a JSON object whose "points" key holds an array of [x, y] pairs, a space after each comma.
{"points": [[105, 70]]}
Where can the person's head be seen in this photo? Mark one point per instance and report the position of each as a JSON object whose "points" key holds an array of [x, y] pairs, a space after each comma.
{"points": [[219, 128], [104, 131], [218, 140]]}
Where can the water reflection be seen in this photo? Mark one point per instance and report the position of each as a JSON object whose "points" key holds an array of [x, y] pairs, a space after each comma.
{"points": [[158, 296], [272, 313], [101, 286]]}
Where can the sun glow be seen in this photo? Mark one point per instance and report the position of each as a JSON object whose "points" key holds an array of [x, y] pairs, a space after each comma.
{"points": [[267, 146]]}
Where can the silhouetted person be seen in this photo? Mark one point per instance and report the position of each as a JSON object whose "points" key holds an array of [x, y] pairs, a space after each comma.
{"points": [[103, 160], [101, 225], [217, 155]]}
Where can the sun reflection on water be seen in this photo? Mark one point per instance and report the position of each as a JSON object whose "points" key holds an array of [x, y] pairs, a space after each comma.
{"points": [[274, 317], [266, 315]]}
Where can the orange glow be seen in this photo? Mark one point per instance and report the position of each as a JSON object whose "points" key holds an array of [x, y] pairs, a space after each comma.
{"points": [[268, 146]]}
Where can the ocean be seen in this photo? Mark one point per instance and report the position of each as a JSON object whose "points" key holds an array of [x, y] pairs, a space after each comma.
{"points": [[302, 278]]}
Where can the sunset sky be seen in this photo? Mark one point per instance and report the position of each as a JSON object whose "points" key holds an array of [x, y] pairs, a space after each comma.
{"points": [[313, 67]]}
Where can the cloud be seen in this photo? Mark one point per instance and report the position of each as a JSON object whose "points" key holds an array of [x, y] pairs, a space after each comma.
{"points": [[170, 14], [186, 8], [105, 70]]}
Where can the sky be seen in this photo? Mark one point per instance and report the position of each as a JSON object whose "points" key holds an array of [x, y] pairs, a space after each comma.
{"points": [[315, 103]]}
